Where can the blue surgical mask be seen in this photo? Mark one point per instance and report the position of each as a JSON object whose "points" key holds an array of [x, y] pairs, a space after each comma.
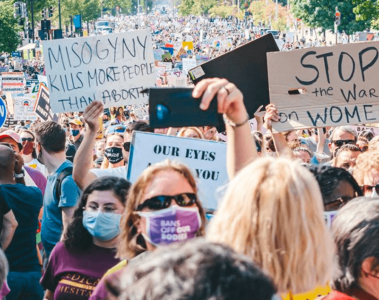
{"points": [[74, 132], [103, 226]]}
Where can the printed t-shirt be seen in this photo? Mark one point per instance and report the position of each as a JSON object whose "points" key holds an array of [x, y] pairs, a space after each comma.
{"points": [[25, 202], [119, 172], [35, 164], [52, 223], [74, 276]]}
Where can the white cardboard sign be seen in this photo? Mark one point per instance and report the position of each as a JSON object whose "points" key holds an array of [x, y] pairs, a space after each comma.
{"points": [[23, 107], [206, 159], [327, 86], [113, 68]]}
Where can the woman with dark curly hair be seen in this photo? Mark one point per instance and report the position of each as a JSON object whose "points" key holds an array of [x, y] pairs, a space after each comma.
{"points": [[88, 249]]}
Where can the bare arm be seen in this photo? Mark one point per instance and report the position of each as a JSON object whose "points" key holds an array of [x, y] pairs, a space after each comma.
{"points": [[241, 148], [19, 163], [67, 213], [49, 295], [279, 140], [9, 227], [83, 158], [321, 140]]}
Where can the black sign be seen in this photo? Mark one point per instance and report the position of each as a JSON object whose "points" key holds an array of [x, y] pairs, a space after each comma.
{"points": [[43, 109], [246, 67], [10, 122]]}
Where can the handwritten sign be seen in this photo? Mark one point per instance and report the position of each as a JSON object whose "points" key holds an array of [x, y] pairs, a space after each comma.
{"points": [[205, 158], [328, 86], [188, 64], [13, 82], [360, 128], [113, 68], [42, 106]]}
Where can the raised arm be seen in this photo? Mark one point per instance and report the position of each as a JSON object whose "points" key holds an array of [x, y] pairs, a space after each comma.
{"points": [[83, 158], [240, 147], [272, 115]]}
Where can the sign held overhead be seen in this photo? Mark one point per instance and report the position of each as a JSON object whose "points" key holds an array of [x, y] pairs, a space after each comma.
{"points": [[113, 69], [328, 86]]}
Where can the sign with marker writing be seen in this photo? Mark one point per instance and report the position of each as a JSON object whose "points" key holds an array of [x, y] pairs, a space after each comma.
{"points": [[113, 68], [205, 158], [327, 86], [360, 128], [42, 106]]}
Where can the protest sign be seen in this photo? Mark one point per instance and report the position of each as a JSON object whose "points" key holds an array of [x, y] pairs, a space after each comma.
{"points": [[158, 54], [327, 86], [3, 112], [13, 82], [42, 105], [4, 69], [205, 158], [23, 107], [360, 128], [189, 45], [169, 50], [10, 122], [248, 72], [10, 105], [113, 68], [188, 64]]}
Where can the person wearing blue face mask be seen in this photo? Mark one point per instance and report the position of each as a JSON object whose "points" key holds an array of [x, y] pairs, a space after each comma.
{"points": [[75, 132], [88, 249]]}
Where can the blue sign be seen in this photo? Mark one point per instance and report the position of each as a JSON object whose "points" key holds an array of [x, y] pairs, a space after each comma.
{"points": [[16, 54], [171, 50], [3, 112], [78, 21]]}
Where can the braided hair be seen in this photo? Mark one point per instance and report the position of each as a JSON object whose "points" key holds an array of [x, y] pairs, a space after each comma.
{"points": [[329, 178]]}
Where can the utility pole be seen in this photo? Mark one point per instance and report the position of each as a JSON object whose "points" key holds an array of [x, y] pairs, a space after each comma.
{"points": [[59, 11], [32, 11]]}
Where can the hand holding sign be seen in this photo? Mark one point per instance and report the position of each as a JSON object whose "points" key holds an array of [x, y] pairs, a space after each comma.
{"points": [[91, 115], [272, 115], [229, 98]]}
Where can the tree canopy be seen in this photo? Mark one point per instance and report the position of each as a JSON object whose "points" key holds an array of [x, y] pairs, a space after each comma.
{"points": [[9, 28]]}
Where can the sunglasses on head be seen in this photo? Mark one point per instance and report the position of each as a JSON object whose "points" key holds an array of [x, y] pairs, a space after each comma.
{"points": [[370, 188], [162, 202], [340, 143], [24, 139]]}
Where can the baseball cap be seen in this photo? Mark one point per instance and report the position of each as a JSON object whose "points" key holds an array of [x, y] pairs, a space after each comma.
{"points": [[116, 128], [13, 135], [75, 122]]}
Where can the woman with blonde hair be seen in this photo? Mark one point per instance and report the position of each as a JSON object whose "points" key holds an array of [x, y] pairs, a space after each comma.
{"points": [[366, 173], [191, 132], [276, 218], [163, 207]]}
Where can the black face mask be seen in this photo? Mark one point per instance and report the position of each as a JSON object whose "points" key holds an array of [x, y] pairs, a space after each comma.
{"points": [[114, 154]]}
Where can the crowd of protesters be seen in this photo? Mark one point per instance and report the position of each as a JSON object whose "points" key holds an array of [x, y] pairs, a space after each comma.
{"points": [[300, 210], [272, 235]]}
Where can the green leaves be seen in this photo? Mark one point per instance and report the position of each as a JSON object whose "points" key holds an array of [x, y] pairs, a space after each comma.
{"points": [[356, 15], [9, 37]]}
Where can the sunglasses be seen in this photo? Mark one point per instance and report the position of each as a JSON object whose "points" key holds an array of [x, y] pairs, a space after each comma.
{"points": [[364, 148], [369, 188], [126, 146], [162, 202], [338, 203], [27, 139], [340, 143]]}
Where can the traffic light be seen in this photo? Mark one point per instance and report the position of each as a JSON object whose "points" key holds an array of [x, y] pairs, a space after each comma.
{"points": [[337, 18], [44, 13], [51, 11], [17, 10]]}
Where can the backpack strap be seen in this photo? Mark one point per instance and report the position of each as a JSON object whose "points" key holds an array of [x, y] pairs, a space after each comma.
{"points": [[58, 184]]}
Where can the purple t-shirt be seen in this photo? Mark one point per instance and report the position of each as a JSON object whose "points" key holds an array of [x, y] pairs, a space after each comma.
{"points": [[74, 276], [38, 178]]}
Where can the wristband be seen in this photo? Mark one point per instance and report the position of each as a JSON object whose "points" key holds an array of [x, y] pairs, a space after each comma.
{"points": [[20, 175], [232, 124]]}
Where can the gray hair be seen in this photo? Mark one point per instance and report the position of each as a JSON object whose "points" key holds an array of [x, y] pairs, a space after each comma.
{"points": [[355, 230], [344, 129], [3, 268]]}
